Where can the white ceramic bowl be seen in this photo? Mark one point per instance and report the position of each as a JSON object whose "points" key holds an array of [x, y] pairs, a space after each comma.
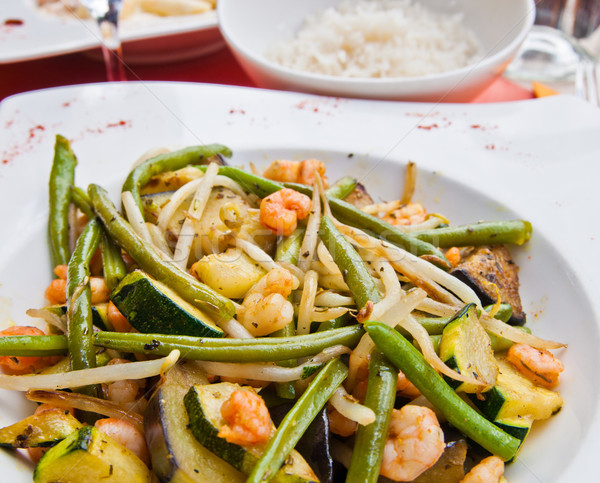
{"points": [[250, 27]]}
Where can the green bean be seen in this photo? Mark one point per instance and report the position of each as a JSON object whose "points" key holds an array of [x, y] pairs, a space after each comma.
{"points": [[150, 261], [113, 265], [62, 178], [171, 161], [342, 188], [458, 413], [33, 345], [286, 390], [82, 201], [340, 321], [297, 420], [357, 277], [504, 312], [370, 439], [264, 349], [484, 233], [288, 249], [79, 302]]}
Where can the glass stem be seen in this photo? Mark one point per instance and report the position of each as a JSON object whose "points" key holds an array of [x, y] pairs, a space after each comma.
{"points": [[111, 51]]}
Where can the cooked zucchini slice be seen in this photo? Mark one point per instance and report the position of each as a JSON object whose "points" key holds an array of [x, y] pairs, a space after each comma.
{"points": [[87, 455], [99, 314], [43, 429], [203, 404], [152, 307], [467, 348], [516, 426], [515, 396], [176, 455]]}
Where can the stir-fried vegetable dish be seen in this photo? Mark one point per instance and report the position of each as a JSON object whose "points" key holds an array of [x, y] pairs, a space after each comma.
{"points": [[223, 325]]}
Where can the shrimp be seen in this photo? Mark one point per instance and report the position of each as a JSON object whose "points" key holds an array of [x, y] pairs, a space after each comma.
{"points": [[125, 392], [340, 424], [415, 442], [14, 365], [117, 319], [407, 214], [265, 308], [56, 293], [308, 171], [247, 419], [280, 211], [489, 470], [538, 365], [296, 172], [126, 434]]}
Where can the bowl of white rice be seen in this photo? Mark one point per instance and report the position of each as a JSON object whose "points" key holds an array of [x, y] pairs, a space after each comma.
{"points": [[414, 50]]}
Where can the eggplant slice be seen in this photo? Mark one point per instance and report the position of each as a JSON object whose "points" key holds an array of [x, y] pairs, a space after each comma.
{"points": [[359, 197], [314, 444], [487, 265]]}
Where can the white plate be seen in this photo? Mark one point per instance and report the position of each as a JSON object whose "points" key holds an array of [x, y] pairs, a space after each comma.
{"points": [[495, 161], [153, 40]]}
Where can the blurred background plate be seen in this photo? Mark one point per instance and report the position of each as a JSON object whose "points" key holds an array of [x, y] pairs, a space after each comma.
{"points": [[28, 33]]}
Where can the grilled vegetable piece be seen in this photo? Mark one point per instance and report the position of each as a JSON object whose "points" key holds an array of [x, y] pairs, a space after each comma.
{"points": [[231, 273], [176, 455], [203, 404], [43, 429], [152, 307], [88, 455], [314, 445], [488, 265], [359, 197], [172, 180], [467, 348], [515, 396]]}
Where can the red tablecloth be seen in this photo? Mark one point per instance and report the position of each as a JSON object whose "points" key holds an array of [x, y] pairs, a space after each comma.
{"points": [[217, 68]]}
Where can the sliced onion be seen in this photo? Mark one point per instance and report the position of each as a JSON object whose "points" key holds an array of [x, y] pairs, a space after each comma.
{"points": [[333, 282], [49, 318], [83, 402], [178, 197], [135, 216], [257, 254], [327, 260], [187, 233], [410, 181], [271, 371], [234, 329], [319, 315], [502, 329], [360, 354], [159, 241], [307, 302], [418, 332], [392, 289], [349, 407], [328, 298], [385, 207], [433, 221], [96, 375], [311, 235], [434, 307]]}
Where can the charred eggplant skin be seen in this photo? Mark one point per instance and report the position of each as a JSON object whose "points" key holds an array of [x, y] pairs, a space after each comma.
{"points": [[487, 266]]}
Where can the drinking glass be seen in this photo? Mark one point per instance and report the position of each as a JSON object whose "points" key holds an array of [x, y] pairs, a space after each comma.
{"points": [[552, 51], [106, 13]]}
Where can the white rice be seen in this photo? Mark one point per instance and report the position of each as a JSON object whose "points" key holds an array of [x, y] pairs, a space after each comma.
{"points": [[378, 38]]}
